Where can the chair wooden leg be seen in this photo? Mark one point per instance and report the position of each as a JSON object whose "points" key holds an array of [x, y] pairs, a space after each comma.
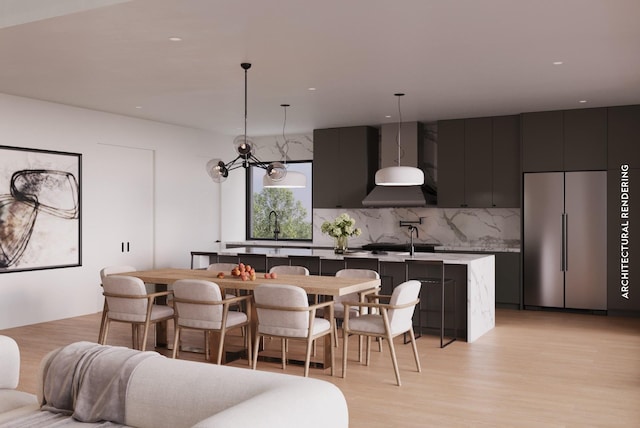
{"points": [[367, 358], [335, 333], [249, 347], [307, 357], [106, 331], [145, 335], [207, 346], [256, 351], [345, 341], [333, 352], [284, 354], [415, 349], [105, 309], [220, 347], [176, 341], [394, 360]]}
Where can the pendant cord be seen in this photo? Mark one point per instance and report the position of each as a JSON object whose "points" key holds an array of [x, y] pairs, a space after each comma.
{"points": [[245, 106], [399, 126], [284, 138]]}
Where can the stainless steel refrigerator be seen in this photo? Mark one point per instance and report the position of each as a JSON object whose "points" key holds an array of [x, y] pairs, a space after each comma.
{"points": [[565, 240]]}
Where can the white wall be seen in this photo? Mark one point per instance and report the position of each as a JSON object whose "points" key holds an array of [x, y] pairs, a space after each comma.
{"points": [[186, 212]]}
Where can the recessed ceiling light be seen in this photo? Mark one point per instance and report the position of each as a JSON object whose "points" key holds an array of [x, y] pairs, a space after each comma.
{"points": [[138, 107], [175, 39], [582, 101], [558, 63], [388, 116], [312, 89]]}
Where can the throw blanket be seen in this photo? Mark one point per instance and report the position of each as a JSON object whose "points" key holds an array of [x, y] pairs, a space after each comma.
{"points": [[89, 381]]}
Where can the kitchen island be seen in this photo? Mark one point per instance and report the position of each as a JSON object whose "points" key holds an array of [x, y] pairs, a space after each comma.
{"points": [[477, 271]]}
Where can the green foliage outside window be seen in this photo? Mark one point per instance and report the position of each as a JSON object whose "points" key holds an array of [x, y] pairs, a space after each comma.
{"points": [[291, 215]]}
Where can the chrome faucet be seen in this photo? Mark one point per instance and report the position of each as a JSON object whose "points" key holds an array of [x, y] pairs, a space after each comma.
{"points": [[276, 225], [412, 229]]}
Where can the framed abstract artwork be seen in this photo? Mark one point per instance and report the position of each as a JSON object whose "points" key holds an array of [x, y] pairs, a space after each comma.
{"points": [[40, 221]]}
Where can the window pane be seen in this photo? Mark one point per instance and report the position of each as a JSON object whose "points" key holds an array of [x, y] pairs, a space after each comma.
{"points": [[293, 206]]}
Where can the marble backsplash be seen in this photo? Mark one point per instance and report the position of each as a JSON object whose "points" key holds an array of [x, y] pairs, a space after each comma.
{"points": [[491, 229]]}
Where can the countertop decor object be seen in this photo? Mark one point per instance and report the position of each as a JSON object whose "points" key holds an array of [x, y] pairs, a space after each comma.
{"points": [[341, 229]]}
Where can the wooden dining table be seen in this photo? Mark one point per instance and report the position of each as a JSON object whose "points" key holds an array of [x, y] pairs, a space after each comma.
{"points": [[329, 286]]}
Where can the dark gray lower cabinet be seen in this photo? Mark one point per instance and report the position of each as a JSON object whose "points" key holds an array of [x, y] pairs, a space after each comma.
{"points": [[329, 267], [276, 261], [256, 261], [391, 275], [508, 280]]}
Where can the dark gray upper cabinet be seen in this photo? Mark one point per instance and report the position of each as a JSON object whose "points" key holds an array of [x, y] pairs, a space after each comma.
{"points": [[585, 139], [569, 140], [451, 163], [479, 162], [344, 164], [542, 141], [506, 161], [623, 129]]}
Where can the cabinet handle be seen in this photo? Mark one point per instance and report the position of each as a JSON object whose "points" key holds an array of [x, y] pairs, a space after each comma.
{"points": [[122, 247], [127, 247]]}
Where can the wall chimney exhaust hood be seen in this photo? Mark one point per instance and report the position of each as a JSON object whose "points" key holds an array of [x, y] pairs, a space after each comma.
{"points": [[413, 146]]}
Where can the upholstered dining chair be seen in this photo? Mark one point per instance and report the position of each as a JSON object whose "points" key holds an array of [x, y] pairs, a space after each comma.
{"points": [[109, 270], [199, 306], [128, 302], [284, 311], [294, 270], [226, 268], [338, 308], [289, 270], [392, 319]]}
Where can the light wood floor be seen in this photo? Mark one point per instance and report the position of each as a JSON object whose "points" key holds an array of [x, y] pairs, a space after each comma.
{"points": [[535, 369]]}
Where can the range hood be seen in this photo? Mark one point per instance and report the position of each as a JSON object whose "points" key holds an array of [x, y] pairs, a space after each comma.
{"points": [[416, 153]]}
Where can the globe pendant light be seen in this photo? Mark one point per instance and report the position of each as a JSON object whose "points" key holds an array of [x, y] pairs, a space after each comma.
{"points": [[399, 175], [291, 179]]}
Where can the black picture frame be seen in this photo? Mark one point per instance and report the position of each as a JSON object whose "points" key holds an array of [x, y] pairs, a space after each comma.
{"points": [[40, 209]]}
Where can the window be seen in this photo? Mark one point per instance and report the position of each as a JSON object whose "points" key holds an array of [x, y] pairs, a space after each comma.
{"points": [[292, 206]]}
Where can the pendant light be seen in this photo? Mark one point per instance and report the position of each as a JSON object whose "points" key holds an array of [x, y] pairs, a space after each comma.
{"points": [[399, 175], [292, 179], [219, 171]]}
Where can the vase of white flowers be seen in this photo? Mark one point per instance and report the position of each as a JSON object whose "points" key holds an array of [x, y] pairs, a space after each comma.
{"points": [[341, 229]]}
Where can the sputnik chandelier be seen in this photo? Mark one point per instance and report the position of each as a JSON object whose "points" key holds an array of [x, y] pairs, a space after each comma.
{"points": [[219, 171]]}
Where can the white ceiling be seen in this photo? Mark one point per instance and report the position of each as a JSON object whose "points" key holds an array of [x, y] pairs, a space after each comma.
{"points": [[456, 58]]}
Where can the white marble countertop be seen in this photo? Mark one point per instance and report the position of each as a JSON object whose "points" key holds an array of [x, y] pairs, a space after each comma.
{"points": [[449, 258], [311, 245]]}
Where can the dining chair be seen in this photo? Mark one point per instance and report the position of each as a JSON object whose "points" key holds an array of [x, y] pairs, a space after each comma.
{"points": [[294, 270], [199, 306], [128, 302], [392, 319], [289, 270], [338, 308], [226, 268], [109, 270], [284, 311]]}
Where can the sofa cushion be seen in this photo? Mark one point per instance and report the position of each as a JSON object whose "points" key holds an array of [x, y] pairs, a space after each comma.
{"points": [[11, 399]]}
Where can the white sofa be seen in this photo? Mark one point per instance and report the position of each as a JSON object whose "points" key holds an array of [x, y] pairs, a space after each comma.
{"points": [[162, 392], [10, 399]]}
